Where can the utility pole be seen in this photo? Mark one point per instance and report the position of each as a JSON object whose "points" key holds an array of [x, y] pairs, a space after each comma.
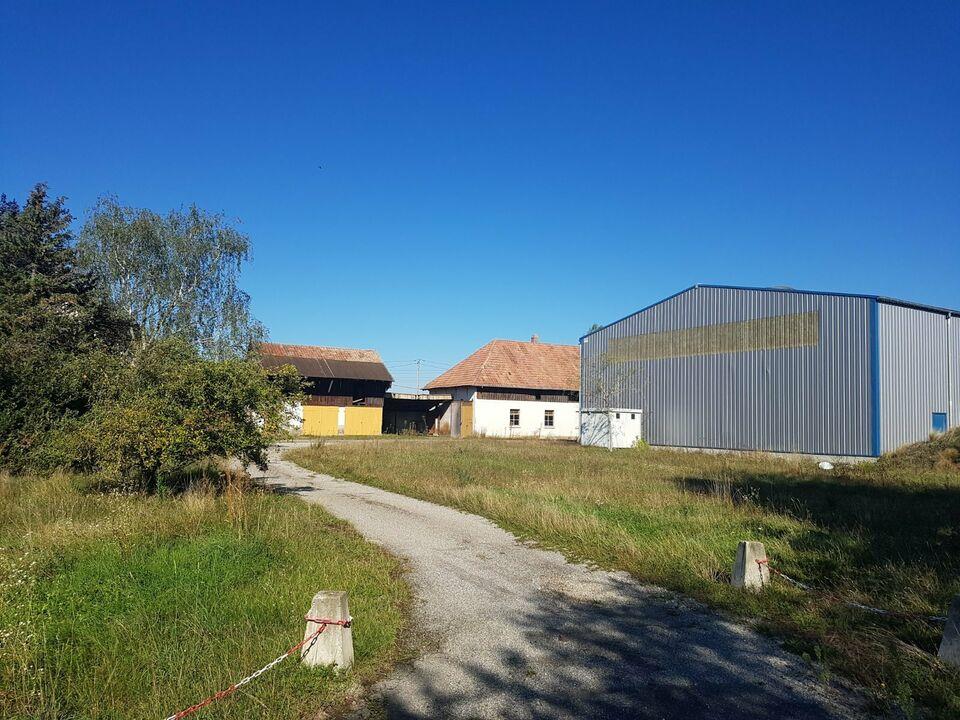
{"points": [[419, 387]]}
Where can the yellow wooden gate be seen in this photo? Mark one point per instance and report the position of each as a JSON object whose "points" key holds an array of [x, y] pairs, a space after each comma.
{"points": [[362, 420], [319, 420], [466, 419]]}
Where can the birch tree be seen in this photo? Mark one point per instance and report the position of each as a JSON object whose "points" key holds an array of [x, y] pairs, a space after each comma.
{"points": [[175, 275]]}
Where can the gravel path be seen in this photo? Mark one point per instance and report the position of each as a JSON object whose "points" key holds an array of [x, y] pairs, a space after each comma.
{"points": [[522, 633]]}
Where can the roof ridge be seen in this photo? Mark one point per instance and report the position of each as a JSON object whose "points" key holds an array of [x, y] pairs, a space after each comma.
{"points": [[322, 347], [530, 342]]}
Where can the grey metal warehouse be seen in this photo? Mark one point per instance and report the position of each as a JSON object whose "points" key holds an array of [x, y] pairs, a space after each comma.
{"points": [[779, 370]]}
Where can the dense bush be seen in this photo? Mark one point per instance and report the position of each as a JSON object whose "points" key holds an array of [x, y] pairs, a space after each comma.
{"points": [[169, 408]]}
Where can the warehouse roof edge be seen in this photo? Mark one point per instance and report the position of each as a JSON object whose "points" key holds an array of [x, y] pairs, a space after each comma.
{"points": [[878, 298]]}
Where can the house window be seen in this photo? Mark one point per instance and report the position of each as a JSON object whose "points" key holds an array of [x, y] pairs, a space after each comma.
{"points": [[633, 416], [618, 416], [515, 417], [548, 418], [939, 422]]}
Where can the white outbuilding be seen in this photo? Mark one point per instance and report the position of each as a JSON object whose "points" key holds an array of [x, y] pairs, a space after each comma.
{"points": [[510, 388]]}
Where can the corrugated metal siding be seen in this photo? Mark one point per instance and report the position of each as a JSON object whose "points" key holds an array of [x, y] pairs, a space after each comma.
{"points": [[799, 399], [955, 369], [914, 374]]}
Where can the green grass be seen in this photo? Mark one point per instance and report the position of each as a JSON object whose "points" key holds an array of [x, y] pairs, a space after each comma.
{"points": [[879, 534], [118, 605]]}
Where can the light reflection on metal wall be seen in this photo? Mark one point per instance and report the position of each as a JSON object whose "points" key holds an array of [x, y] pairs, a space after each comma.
{"points": [[769, 333]]}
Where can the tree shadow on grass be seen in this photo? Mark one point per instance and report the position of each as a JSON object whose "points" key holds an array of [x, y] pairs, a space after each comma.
{"points": [[871, 526], [212, 476], [909, 519]]}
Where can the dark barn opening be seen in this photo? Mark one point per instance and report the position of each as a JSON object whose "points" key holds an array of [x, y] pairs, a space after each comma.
{"points": [[408, 413]]}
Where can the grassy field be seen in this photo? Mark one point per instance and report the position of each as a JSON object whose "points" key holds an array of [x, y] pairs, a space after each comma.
{"points": [[117, 605], [881, 534]]}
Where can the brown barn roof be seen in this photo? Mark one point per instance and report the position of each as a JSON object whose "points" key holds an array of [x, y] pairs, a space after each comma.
{"points": [[513, 364], [326, 362]]}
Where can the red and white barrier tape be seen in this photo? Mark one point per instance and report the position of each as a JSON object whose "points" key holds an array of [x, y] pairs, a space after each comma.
{"points": [[850, 603], [323, 622]]}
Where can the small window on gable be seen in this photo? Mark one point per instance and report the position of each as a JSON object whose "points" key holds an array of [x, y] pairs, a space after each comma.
{"points": [[548, 418], [939, 422], [618, 416], [515, 417], [633, 416]]}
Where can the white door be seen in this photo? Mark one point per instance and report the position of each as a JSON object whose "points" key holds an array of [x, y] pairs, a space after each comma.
{"points": [[626, 426]]}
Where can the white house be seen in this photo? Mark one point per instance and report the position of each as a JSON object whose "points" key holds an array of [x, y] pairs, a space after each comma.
{"points": [[514, 389]]}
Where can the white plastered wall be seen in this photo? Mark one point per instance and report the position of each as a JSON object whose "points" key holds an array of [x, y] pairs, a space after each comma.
{"points": [[492, 418], [295, 417]]}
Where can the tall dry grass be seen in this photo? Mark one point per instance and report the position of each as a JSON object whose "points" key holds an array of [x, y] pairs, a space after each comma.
{"points": [[875, 533]]}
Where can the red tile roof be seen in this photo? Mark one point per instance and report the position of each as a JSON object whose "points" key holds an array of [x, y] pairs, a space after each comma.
{"points": [[513, 364], [326, 362]]}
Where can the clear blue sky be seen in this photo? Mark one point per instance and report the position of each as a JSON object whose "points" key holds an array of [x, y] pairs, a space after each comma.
{"points": [[494, 170]]}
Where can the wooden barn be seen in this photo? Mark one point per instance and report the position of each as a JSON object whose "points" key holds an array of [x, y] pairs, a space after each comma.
{"points": [[345, 387]]}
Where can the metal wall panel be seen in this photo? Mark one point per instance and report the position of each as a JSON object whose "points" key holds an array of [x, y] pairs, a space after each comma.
{"points": [[814, 399], [954, 377], [915, 373]]}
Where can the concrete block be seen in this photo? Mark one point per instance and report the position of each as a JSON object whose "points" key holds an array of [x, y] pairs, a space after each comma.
{"points": [[747, 573], [335, 644], [950, 645]]}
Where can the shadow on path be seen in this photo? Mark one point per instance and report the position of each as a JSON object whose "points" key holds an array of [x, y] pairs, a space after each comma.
{"points": [[636, 654]]}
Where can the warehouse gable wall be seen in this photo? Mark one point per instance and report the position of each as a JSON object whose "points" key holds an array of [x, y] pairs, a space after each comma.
{"points": [[955, 369], [914, 373], [795, 398]]}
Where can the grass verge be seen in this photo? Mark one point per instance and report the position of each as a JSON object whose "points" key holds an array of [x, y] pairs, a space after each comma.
{"points": [[117, 605], [879, 534]]}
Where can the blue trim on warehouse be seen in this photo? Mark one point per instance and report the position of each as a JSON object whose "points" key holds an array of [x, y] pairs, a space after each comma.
{"points": [[875, 375], [878, 298], [875, 298]]}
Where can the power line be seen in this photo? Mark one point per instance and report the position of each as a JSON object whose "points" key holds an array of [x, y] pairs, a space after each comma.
{"points": [[404, 369]]}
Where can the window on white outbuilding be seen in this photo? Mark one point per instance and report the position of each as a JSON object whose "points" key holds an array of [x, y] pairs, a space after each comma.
{"points": [[515, 417], [548, 418]]}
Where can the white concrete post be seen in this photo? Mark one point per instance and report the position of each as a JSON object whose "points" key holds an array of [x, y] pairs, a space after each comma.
{"points": [[747, 572], [334, 646], [950, 645]]}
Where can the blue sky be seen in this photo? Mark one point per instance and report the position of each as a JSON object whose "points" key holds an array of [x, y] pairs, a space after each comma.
{"points": [[495, 170]]}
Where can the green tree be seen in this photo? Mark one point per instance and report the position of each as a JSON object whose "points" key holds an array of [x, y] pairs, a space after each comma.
{"points": [[175, 275], [171, 408], [133, 392], [53, 317]]}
